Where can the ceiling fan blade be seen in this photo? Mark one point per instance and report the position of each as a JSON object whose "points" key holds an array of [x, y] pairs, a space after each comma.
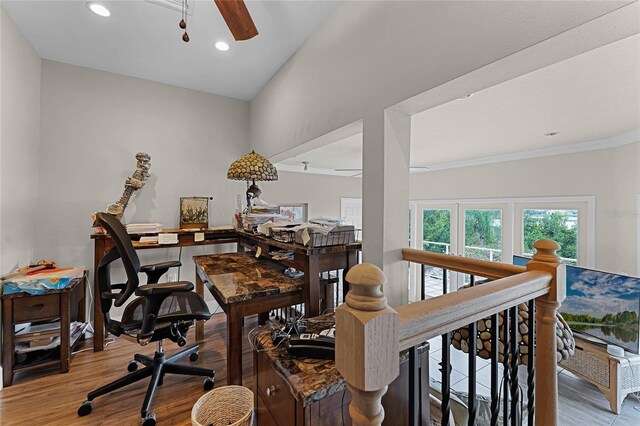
{"points": [[238, 19]]}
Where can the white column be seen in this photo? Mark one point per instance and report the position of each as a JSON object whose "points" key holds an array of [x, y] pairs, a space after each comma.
{"points": [[385, 193]]}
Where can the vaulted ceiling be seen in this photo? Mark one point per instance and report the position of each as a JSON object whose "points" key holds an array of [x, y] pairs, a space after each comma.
{"points": [[142, 39]]}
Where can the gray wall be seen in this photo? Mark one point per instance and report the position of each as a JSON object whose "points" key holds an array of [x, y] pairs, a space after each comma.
{"points": [[19, 137], [92, 125]]}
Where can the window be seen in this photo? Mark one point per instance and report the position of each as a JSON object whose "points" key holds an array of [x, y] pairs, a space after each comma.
{"points": [[558, 225], [495, 230]]}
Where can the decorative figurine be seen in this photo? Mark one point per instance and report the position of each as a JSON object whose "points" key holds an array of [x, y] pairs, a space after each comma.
{"points": [[133, 183]]}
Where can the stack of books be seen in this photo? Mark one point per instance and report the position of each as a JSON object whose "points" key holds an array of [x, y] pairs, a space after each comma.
{"points": [[144, 228]]}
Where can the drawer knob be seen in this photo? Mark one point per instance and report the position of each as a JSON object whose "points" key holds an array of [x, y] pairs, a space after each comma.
{"points": [[271, 390], [37, 307]]}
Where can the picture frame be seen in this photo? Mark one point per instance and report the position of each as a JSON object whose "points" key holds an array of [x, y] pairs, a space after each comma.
{"points": [[194, 212], [297, 212]]}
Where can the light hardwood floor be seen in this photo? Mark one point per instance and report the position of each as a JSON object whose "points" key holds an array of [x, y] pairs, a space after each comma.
{"points": [[48, 398]]}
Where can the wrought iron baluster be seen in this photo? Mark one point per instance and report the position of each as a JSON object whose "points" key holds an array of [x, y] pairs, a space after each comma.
{"points": [[425, 400], [414, 388], [495, 383], [531, 371], [444, 281], [515, 355], [471, 340], [506, 366], [423, 270], [445, 368]]}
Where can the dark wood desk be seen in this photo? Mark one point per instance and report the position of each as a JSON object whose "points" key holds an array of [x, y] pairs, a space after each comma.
{"points": [[186, 238], [310, 260], [243, 285], [66, 305]]}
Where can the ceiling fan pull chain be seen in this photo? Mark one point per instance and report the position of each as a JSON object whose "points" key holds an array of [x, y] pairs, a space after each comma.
{"points": [[183, 22]]}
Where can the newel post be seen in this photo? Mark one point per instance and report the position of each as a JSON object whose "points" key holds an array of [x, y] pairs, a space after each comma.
{"points": [[367, 344], [546, 362]]}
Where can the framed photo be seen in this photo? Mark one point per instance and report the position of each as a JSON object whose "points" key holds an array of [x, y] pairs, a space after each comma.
{"points": [[194, 212], [297, 212]]}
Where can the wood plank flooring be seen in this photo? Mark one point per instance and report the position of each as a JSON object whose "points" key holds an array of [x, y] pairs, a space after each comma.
{"points": [[46, 397]]}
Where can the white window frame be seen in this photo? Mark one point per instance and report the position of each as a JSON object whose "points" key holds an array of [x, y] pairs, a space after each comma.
{"points": [[512, 227]]}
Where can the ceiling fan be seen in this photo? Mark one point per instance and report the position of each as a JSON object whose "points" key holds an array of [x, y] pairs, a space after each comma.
{"points": [[234, 12], [238, 19]]}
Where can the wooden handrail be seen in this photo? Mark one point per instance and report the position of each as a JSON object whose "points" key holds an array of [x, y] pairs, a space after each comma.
{"points": [[433, 317], [482, 268], [370, 333]]}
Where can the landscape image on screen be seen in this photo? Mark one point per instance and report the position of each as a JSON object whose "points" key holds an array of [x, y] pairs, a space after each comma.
{"points": [[601, 304]]}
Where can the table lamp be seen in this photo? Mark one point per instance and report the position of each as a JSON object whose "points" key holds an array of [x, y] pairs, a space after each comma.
{"points": [[252, 167]]}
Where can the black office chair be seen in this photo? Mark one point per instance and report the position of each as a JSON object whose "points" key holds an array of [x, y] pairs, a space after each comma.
{"points": [[162, 311]]}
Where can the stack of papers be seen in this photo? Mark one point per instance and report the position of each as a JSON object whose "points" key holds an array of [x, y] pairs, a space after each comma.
{"points": [[144, 228], [23, 336], [250, 221]]}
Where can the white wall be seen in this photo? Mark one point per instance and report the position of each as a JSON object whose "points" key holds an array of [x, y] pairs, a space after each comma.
{"points": [[19, 138], [321, 192], [611, 175], [92, 125]]}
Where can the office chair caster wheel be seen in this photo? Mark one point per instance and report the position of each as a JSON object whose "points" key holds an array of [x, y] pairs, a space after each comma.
{"points": [[85, 408], [133, 366], [181, 341], [149, 420], [208, 383], [194, 356]]}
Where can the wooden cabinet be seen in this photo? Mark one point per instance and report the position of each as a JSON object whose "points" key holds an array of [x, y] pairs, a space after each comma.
{"points": [[277, 406], [66, 305]]}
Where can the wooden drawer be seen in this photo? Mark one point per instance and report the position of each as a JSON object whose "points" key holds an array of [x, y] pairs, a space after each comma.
{"points": [[281, 403], [35, 308], [264, 416]]}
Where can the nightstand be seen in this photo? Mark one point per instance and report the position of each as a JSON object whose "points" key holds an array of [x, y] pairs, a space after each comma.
{"points": [[66, 305]]}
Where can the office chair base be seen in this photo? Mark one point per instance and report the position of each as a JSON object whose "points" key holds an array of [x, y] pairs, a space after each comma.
{"points": [[155, 368]]}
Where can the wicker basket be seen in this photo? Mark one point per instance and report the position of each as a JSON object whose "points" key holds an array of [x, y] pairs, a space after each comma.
{"points": [[226, 405]]}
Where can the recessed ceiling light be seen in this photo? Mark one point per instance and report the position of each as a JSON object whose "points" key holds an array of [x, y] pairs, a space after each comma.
{"points": [[462, 98], [99, 9], [221, 45], [551, 133]]}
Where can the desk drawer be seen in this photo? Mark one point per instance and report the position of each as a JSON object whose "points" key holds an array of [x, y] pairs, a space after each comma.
{"points": [[281, 404], [34, 308]]}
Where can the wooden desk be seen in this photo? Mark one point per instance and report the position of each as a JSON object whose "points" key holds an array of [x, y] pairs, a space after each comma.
{"points": [[103, 243], [243, 285], [310, 260], [65, 304]]}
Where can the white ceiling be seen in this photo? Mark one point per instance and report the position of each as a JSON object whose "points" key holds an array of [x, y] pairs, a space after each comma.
{"points": [[142, 39], [591, 97]]}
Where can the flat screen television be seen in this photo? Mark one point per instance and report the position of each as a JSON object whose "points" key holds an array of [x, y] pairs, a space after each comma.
{"points": [[602, 305]]}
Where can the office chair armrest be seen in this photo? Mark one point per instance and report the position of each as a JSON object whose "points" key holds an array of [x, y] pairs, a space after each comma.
{"points": [[161, 265], [157, 270], [164, 288]]}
